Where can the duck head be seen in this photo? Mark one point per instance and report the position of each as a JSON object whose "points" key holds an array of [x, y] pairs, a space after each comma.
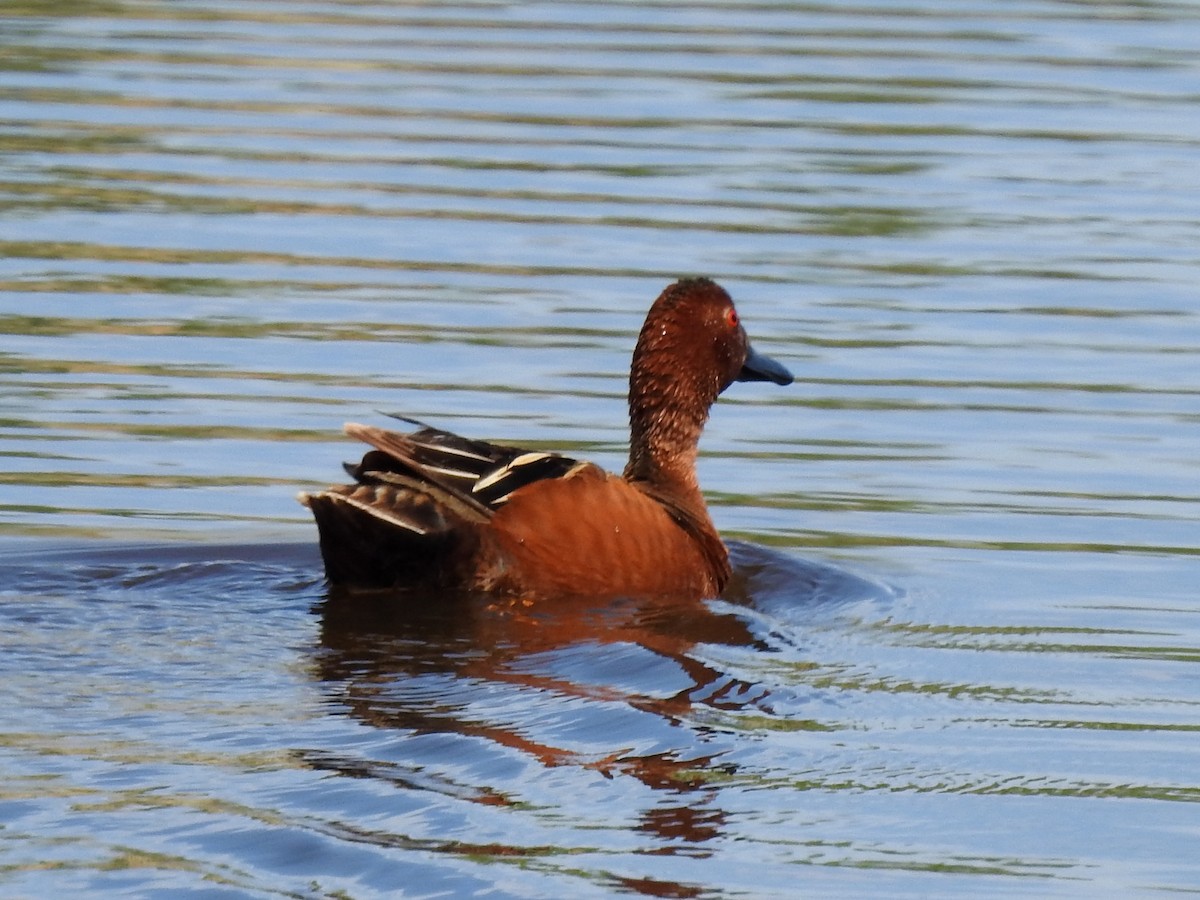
{"points": [[691, 348]]}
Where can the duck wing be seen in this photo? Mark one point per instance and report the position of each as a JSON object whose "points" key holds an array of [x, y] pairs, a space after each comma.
{"points": [[478, 474]]}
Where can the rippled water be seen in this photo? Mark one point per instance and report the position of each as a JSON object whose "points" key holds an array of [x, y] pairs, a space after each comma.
{"points": [[956, 657]]}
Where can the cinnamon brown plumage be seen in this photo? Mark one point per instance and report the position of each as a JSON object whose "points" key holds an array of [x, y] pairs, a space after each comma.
{"points": [[432, 510]]}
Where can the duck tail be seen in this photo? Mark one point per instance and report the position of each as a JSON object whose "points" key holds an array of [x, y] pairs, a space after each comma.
{"points": [[388, 535]]}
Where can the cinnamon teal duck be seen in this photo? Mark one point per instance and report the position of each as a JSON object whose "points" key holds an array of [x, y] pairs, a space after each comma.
{"points": [[430, 510]]}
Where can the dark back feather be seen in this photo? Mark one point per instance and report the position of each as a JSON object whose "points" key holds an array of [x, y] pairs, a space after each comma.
{"points": [[479, 474]]}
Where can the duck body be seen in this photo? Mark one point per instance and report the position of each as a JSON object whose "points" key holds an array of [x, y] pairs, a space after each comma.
{"points": [[430, 510]]}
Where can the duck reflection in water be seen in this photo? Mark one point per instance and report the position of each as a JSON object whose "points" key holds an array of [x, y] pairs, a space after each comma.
{"points": [[575, 683], [627, 689]]}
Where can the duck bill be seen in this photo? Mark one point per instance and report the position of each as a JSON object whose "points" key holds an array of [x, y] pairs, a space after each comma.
{"points": [[762, 368]]}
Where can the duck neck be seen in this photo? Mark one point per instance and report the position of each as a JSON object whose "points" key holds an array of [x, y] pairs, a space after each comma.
{"points": [[665, 425]]}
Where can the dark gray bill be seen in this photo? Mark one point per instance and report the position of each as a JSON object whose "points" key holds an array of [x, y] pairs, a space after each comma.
{"points": [[762, 368]]}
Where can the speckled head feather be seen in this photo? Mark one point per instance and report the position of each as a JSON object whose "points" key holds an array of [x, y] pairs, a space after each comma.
{"points": [[691, 348]]}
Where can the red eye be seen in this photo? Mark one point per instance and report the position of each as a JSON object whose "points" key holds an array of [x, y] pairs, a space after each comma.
{"points": [[731, 317]]}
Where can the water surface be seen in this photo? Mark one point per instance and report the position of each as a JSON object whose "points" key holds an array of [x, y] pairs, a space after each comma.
{"points": [[955, 659]]}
